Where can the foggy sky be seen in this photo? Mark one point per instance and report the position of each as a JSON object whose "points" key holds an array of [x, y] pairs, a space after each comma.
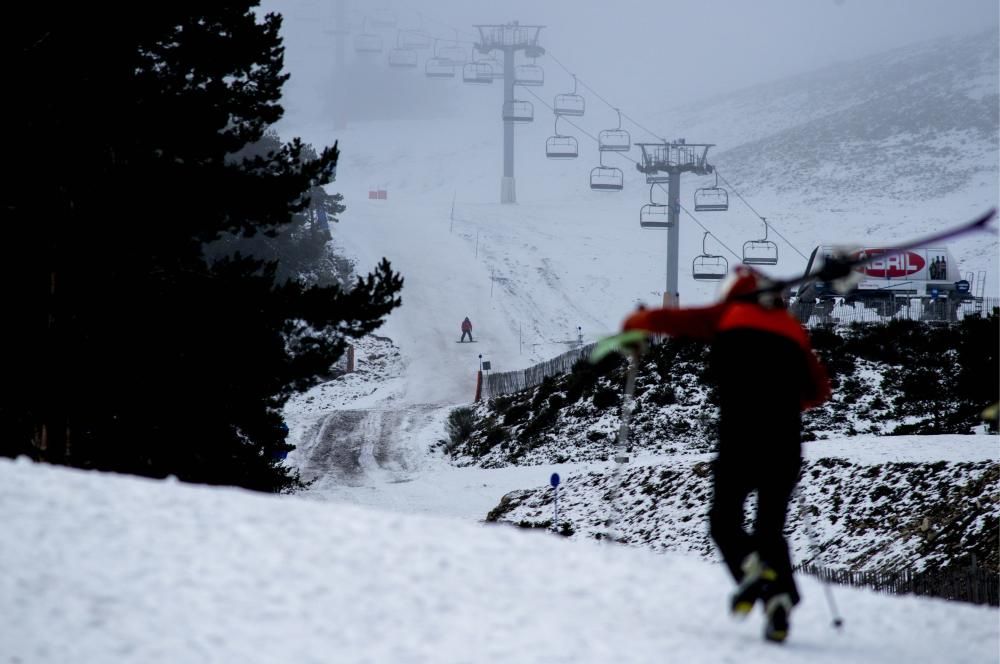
{"points": [[704, 48], [639, 53]]}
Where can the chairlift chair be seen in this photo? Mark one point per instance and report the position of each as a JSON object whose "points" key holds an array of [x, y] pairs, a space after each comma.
{"points": [[569, 103], [607, 178], [529, 75], [654, 215], [403, 58], [367, 42], [438, 68], [383, 18], [455, 54], [760, 252], [657, 178], [709, 267], [413, 39], [561, 147], [518, 111], [497, 66], [477, 72], [711, 199], [614, 140]]}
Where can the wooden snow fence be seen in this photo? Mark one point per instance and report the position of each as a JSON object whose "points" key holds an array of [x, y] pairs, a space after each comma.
{"points": [[975, 585], [514, 381]]}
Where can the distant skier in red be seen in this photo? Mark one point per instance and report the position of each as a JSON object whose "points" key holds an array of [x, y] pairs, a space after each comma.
{"points": [[766, 374], [466, 329]]}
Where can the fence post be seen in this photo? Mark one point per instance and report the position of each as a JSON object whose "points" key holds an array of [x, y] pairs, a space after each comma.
{"points": [[350, 359], [479, 385], [974, 580]]}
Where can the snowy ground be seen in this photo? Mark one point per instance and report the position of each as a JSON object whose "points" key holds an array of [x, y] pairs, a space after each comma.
{"points": [[105, 568]]}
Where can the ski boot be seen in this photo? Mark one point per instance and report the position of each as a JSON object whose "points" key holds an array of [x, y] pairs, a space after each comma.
{"points": [[777, 610], [756, 575]]}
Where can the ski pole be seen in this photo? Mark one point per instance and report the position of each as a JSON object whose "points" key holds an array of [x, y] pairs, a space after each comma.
{"points": [[838, 622]]}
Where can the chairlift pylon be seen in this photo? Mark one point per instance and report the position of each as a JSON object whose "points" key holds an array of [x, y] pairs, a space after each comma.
{"points": [[561, 147], [709, 267], [569, 103], [760, 252], [711, 199], [614, 140], [654, 215]]}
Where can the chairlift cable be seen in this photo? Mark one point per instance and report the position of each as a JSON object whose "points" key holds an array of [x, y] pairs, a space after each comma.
{"points": [[627, 158], [450, 27], [766, 223], [610, 105], [633, 161], [630, 119], [431, 19]]}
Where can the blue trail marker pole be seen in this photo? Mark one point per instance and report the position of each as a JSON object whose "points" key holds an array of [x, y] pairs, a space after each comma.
{"points": [[554, 481]]}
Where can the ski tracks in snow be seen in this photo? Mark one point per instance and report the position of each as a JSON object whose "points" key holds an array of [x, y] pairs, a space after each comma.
{"points": [[363, 447]]}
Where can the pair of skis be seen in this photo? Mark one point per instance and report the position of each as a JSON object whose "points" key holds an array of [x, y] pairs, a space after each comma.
{"points": [[836, 269]]}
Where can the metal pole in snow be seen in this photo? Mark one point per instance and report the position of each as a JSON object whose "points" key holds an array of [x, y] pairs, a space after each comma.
{"points": [[554, 481]]}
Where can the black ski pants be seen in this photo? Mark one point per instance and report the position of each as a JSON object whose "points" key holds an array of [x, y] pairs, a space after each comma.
{"points": [[771, 468], [760, 377], [466, 332]]}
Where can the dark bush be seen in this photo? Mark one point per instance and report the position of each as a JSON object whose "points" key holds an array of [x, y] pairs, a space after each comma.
{"points": [[459, 426], [605, 397], [516, 414]]}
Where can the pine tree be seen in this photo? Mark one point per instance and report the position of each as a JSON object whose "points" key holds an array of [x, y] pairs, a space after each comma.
{"points": [[129, 350]]}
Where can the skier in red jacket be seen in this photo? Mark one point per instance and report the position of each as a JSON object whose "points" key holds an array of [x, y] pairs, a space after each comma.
{"points": [[466, 329], [766, 374]]}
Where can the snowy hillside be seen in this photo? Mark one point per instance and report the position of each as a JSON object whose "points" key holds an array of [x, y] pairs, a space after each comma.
{"points": [[105, 568], [875, 524], [902, 140]]}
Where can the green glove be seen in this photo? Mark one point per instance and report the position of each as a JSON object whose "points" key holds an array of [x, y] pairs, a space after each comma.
{"points": [[633, 341]]}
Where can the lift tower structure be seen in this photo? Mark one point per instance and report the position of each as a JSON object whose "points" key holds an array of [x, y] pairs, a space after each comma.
{"points": [[509, 39], [673, 159]]}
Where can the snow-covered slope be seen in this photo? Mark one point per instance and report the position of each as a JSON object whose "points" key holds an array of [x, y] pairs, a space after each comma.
{"points": [[922, 502], [104, 568]]}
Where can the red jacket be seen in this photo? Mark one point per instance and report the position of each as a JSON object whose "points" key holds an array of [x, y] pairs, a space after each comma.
{"points": [[706, 322], [466, 325]]}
